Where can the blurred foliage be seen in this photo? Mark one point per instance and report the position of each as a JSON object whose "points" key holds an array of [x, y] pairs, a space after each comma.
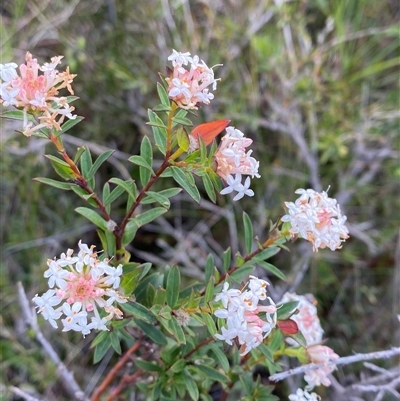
{"points": [[308, 81]]}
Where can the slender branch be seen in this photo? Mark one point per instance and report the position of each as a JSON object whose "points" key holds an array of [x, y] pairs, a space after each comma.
{"points": [[126, 380], [341, 361], [67, 378], [114, 371], [198, 346], [22, 394]]}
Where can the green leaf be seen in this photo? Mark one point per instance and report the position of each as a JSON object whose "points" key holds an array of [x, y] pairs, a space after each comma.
{"points": [[149, 215], [92, 216], [152, 332], [265, 350], [208, 185], [266, 253], [213, 373], [99, 161], [130, 278], [248, 232], [170, 192], [146, 152], [178, 366], [181, 120], [86, 162], [79, 153], [221, 357], [115, 342], [227, 259], [163, 95], [130, 232], [243, 271], [61, 167], [173, 285], [272, 269], [114, 195], [160, 133], [128, 185], [53, 183], [191, 385], [181, 178], [69, 124], [138, 311], [210, 324], [216, 180], [84, 195], [161, 107], [276, 341], [299, 338], [286, 310], [183, 139], [152, 197], [148, 366], [209, 295], [140, 161], [102, 348]]}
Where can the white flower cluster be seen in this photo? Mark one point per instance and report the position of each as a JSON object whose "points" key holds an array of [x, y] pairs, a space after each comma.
{"points": [[307, 319], [188, 87], [241, 309], [233, 161], [80, 284], [317, 218], [303, 395], [37, 93]]}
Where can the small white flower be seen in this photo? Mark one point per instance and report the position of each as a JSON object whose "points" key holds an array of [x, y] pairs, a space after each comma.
{"points": [[56, 274], [303, 395], [8, 71]]}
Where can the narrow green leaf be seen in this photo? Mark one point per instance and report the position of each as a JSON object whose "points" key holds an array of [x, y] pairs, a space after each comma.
{"points": [[115, 342], [152, 332], [210, 324], [138, 311], [213, 373], [53, 183], [191, 385], [221, 357], [173, 285], [183, 139], [216, 180], [149, 215], [86, 161], [130, 279], [266, 253], [180, 177], [161, 107], [69, 124], [248, 232], [286, 310], [266, 351], [114, 195], [61, 167], [209, 188], [243, 271], [101, 349], [146, 152], [84, 195], [152, 197], [160, 133], [140, 161], [148, 366], [272, 269], [99, 161], [181, 120], [92, 216], [209, 294], [299, 338], [163, 95], [129, 186], [130, 232]]}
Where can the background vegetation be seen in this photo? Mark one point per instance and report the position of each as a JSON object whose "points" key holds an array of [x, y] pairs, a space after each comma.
{"points": [[313, 82]]}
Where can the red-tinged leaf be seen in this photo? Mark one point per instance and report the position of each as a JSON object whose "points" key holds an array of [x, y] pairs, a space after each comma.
{"points": [[288, 326], [208, 131]]}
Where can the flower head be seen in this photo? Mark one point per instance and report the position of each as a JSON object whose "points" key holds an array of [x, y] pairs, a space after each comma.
{"points": [[190, 86], [320, 354], [36, 91], [241, 311], [303, 395], [233, 161], [82, 286], [306, 318], [317, 218]]}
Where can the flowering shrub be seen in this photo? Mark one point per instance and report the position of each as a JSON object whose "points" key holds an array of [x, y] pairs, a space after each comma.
{"points": [[176, 333]]}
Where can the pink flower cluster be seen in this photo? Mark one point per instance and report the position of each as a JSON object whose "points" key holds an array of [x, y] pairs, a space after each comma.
{"points": [[37, 93], [241, 309], [189, 87], [83, 284], [310, 326], [233, 161], [317, 218], [307, 319]]}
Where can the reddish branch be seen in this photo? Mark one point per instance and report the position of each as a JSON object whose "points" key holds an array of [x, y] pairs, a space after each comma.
{"points": [[114, 371]]}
